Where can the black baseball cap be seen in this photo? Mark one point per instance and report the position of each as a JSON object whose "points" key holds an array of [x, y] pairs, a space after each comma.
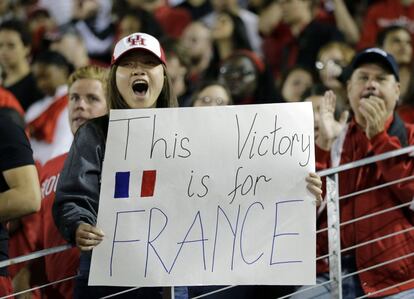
{"points": [[374, 55]]}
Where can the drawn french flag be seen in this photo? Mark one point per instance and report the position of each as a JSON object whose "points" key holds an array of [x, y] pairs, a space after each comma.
{"points": [[122, 183]]}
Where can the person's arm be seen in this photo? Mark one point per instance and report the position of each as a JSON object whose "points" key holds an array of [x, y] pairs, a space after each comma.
{"points": [[77, 193], [270, 18], [23, 197], [345, 22]]}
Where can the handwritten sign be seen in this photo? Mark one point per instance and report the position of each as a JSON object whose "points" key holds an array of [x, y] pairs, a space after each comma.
{"points": [[207, 196]]}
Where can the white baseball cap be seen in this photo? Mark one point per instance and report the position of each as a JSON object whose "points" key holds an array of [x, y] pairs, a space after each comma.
{"points": [[138, 41]]}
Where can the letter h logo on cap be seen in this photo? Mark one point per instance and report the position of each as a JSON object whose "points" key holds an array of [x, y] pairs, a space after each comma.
{"points": [[135, 40]]}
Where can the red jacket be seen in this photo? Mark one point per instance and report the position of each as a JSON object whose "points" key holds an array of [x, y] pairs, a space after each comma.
{"points": [[356, 146]]}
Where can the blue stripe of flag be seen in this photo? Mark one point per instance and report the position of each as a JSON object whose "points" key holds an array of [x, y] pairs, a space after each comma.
{"points": [[121, 184]]}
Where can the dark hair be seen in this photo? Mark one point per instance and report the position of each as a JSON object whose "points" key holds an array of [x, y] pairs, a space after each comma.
{"points": [[206, 84], [148, 22], [239, 36], [20, 28], [382, 35], [50, 57], [172, 48], [166, 98]]}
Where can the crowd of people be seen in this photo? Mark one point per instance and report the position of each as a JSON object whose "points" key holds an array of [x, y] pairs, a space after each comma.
{"points": [[63, 63]]}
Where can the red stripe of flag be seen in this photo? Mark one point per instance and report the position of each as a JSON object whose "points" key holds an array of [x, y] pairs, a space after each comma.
{"points": [[148, 183]]}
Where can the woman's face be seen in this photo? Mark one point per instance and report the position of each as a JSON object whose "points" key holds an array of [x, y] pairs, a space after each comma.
{"points": [[140, 79], [331, 64], [212, 95], [223, 27], [398, 43], [295, 85]]}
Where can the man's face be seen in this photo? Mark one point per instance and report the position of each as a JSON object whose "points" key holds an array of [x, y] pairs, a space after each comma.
{"points": [[12, 50], [86, 101], [372, 80], [49, 77], [398, 43]]}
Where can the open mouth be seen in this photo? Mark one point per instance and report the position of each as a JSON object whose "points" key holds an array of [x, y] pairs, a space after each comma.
{"points": [[140, 87]]}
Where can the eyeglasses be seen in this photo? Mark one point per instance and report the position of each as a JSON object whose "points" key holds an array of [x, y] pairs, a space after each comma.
{"points": [[322, 65], [217, 101]]}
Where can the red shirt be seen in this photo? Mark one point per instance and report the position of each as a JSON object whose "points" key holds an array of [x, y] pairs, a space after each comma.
{"points": [[173, 20], [8, 100], [63, 264], [357, 146], [406, 112], [384, 14]]}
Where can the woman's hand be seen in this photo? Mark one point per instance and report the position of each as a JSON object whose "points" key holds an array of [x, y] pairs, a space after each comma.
{"points": [[315, 187], [88, 236]]}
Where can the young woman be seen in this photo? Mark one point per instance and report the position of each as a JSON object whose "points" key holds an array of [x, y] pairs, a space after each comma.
{"points": [[137, 79]]}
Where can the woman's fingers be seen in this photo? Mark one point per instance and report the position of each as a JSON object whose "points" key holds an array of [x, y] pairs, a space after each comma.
{"points": [[88, 236], [315, 187]]}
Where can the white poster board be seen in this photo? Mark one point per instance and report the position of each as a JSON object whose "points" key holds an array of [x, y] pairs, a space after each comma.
{"points": [[207, 196]]}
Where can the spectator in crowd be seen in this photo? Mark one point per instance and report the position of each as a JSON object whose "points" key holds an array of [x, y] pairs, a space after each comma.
{"points": [[344, 14], [382, 14], [332, 60], [396, 40], [197, 45], [47, 118], [248, 79], [229, 34], [138, 20], [294, 83], [172, 20], [92, 19], [298, 38], [212, 94], [249, 19], [9, 10], [87, 100], [177, 68], [134, 66], [41, 25], [71, 45], [19, 186], [14, 61], [373, 91]]}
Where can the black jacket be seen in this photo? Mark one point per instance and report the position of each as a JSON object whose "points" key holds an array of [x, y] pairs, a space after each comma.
{"points": [[77, 193]]}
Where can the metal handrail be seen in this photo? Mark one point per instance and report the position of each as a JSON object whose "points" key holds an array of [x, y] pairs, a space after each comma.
{"points": [[365, 161]]}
